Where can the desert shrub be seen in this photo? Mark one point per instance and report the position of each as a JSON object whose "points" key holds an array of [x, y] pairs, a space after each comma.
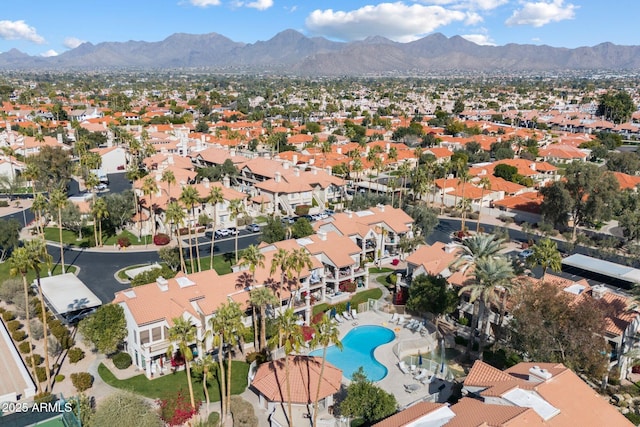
{"points": [[13, 325], [161, 239], [59, 378], [82, 380], [4, 204], [75, 354], [44, 397], [24, 347], [124, 242], [463, 321], [213, 420], [37, 330], [302, 210], [258, 356], [121, 360], [41, 373], [61, 333], [54, 347], [8, 316], [36, 358], [150, 276], [506, 219], [176, 409], [19, 335], [243, 413]]}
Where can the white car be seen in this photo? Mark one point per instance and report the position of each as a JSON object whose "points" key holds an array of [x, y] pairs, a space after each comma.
{"points": [[526, 253], [223, 232]]}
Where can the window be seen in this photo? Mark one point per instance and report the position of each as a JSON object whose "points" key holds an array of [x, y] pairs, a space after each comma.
{"points": [[156, 334], [144, 337]]}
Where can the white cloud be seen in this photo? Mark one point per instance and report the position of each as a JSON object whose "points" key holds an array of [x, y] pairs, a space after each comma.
{"points": [[396, 21], [481, 39], [205, 3], [541, 13], [72, 42], [486, 4], [473, 18], [49, 53], [467, 4], [260, 4], [16, 30]]}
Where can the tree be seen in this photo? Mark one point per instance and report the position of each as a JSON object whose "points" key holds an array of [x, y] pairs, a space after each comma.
{"points": [[169, 177], [9, 237], [99, 210], [476, 247], [326, 334], [58, 201], [301, 228], [546, 255], [252, 258], [552, 326], [505, 171], [205, 366], [230, 316], [485, 184], [182, 334], [105, 329], [367, 401], [299, 260], [616, 107], [170, 255], [261, 298], [52, 166], [189, 198], [214, 198], [39, 207], [121, 208], [127, 409], [149, 188], [73, 219], [20, 263], [236, 209], [273, 231], [432, 294], [175, 215], [290, 336]]}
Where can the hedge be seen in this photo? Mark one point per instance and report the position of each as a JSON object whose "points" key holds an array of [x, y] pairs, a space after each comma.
{"points": [[24, 347], [8, 316], [13, 325], [75, 354], [161, 239], [18, 335], [121, 360]]}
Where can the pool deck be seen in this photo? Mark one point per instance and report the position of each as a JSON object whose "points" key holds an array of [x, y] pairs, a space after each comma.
{"points": [[396, 380]]}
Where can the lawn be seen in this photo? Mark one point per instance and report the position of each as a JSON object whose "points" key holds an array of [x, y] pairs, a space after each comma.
{"points": [[220, 263], [376, 270], [5, 268], [357, 299], [71, 237], [161, 386]]}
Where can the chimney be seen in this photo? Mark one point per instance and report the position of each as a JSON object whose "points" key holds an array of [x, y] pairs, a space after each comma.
{"points": [[348, 212], [285, 165], [158, 176], [387, 147], [294, 159], [277, 177], [232, 153], [449, 248], [380, 207], [59, 138], [538, 374], [226, 182], [296, 171], [162, 283], [339, 150], [170, 159], [322, 235], [205, 181], [315, 171]]}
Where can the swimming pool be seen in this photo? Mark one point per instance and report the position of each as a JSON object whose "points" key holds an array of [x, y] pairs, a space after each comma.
{"points": [[358, 347]]}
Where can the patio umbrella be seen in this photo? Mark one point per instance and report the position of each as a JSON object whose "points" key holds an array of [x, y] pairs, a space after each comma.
{"points": [[419, 359], [348, 306], [333, 312]]}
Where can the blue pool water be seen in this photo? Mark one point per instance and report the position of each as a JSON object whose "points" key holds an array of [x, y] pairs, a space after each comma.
{"points": [[358, 346]]}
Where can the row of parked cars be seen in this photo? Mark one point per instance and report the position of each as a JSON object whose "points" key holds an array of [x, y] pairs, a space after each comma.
{"points": [[231, 231], [314, 217]]}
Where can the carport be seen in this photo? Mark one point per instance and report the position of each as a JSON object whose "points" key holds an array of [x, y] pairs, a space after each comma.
{"points": [[66, 294]]}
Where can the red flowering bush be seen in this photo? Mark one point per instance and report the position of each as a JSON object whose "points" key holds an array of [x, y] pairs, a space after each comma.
{"points": [[161, 239], [307, 332], [124, 242], [176, 409], [177, 360]]}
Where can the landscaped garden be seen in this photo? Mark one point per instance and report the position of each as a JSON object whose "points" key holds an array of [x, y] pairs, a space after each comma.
{"points": [[88, 240]]}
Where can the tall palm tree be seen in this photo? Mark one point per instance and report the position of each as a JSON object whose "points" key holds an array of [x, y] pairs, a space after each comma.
{"points": [[446, 167], [326, 334], [215, 196], [463, 176], [39, 207], [281, 260], [58, 200], [236, 207], [300, 259], [546, 255], [489, 275], [405, 170], [38, 255], [218, 325], [175, 215], [91, 182], [149, 188], [207, 365], [182, 334], [231, 315], [290, 334], [476, 247], [189, 198], [261, 298], [485, 184], [19, 263], [252, 258], [170, 178], [99, 211]]}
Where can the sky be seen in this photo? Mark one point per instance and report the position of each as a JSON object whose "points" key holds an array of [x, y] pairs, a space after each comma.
{"points": [[46, 28]]}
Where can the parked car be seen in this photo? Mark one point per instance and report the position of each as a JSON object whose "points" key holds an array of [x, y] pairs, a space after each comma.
{"points": [[223, 232], [526, 253], [288, 220], [329, 212], [78, 316], [100, 187], [254, 228], [233, 231]]}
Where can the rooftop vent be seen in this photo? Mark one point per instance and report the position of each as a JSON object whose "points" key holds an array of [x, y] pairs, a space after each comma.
{"points": [[162, 283], [538, 374]]}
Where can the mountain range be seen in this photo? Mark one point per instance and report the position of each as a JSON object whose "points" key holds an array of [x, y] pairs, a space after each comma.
{"points": [[290, 52]]}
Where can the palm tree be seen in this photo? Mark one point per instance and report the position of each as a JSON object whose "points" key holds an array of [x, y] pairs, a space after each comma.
{"points": [[38, 255], [252, 258], [261, 297], [183, 333], [546, 255], [218, 326], [405, 170], [485, 184], [91, 182], [58, 200], [231, 316], [168, 177], [236, 207], [99, 211], [206, 364], [281, 260], [149, 187], [446, 167], [326, 334], [215, 197], [39, 206], [489, 275], [175, 215], [300, 258], [290, 334], [463, 176], [189, 197], [19, 263], [476, 247]]}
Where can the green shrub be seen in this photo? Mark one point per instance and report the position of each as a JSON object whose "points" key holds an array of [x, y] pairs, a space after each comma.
{"points": [[258, 356], [44, 397], [124, 242], [463, 321], [24, 347], [36, 358], [243, 413], [13, 325], [121, 360], [8, 316], [75, 354], [392, 279], [41, 373], [213, 420], [82, 380], [18, 335], [460, 340], [302, 210], [4, 204], [59, 378]]}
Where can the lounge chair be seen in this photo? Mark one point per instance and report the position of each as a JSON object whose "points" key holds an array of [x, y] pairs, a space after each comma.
{"points": [[401, 320], [411, 324], [412, 388], [422, 374], [339, 318], [354, 314], [412, 368], [403, 367], [394, 317], [347, 315]]}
